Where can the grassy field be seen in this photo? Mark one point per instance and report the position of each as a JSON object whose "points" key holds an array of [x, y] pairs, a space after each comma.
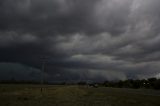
{"points": [[30, 95]]}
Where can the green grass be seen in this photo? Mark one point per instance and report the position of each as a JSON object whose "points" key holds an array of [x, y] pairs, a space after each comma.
{"points": [[30, 95]]}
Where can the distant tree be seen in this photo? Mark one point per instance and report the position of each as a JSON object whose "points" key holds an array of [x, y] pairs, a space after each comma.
{"points": [[137, 84], [152, 79], [151, 82], [120, 84], [106, 84], [128, 83], [82, 83], [156, 84]]}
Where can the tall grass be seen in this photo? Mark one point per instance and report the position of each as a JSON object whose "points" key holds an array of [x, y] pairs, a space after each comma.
{"points": [[30, 95]]}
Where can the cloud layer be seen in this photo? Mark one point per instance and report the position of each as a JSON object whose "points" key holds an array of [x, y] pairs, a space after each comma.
{"points": [[83, 39]]}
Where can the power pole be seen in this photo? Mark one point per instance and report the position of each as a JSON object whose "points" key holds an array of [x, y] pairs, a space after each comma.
{"points": [[42, 75], [44, 60]]}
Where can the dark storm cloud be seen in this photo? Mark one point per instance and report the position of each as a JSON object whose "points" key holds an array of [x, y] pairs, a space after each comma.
{"points": [[82, 39], [47, 17]]}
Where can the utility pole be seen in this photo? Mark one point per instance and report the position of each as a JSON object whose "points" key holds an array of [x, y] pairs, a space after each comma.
{"points": [[42, 75], [44, 60]]}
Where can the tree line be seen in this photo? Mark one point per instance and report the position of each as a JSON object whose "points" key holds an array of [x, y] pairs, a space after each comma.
{"points": [[150, 83]]}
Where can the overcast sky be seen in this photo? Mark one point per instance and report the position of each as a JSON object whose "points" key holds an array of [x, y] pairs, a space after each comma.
{"points": [[81, 39]]}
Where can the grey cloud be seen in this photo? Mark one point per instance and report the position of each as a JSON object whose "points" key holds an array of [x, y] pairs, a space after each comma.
{"points": [[95, 38], [58, 16], [10, 71]]}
